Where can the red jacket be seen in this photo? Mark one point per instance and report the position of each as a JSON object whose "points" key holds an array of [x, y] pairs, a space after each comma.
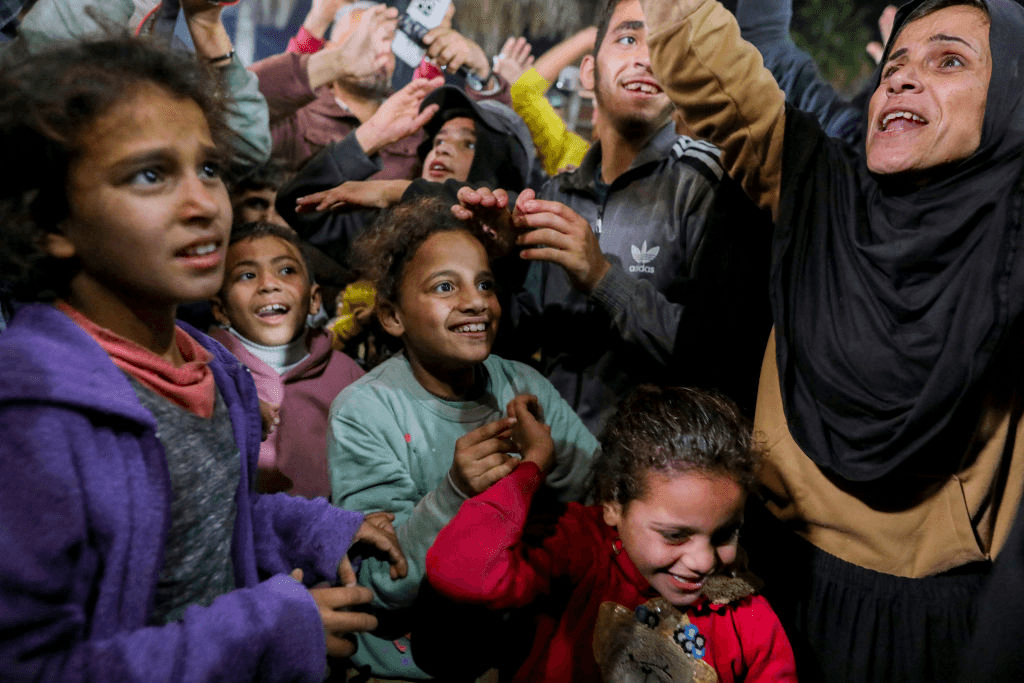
{"points": [[479, 558]]}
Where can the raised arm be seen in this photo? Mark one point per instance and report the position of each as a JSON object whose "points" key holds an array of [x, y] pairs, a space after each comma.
{"points": [[247, 109], [719, 83], [766, 23]]}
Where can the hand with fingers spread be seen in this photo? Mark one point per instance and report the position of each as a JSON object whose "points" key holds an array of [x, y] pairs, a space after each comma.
{"points": [[372, 193], [490, 208], [365, 54], [482, 456], [450, 49], [514, 59], [334, 604], [551, 231], [399, 116], [530, 435], [377, 535]]}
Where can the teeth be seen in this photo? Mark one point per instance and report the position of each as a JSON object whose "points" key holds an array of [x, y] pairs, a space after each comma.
{"points": [[645, 88], [272, 309], [202, 249], [901, 115], [685, 580], [471, 327]]}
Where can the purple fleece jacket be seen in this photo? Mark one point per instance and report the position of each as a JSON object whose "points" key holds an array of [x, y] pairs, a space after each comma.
{"points": [[84, 513]]}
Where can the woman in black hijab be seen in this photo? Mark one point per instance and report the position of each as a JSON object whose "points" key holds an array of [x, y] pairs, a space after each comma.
{"points": [[890, 394]]}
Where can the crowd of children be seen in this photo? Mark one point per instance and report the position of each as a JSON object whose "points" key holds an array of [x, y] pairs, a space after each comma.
{"points": [[288, 491]]}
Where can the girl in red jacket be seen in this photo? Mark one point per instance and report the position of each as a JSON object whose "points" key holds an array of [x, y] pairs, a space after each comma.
{"points": [[672, 481]]}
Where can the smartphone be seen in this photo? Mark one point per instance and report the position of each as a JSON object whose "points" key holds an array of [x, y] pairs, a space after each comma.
{"points": [[420, 17]]}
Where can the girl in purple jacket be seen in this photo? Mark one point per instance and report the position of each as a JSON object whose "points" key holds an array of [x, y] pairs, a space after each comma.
{"points": [[133, 547]]}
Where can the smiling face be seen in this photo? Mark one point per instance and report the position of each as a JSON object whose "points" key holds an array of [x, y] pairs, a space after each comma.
{"points": [[447, 311], [683, 529], [149, 215], [453, 151], [929, 107], [267, 293], [628, 96]]}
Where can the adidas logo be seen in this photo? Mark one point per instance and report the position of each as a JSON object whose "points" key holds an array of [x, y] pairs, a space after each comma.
{"points": [[642, 255]]}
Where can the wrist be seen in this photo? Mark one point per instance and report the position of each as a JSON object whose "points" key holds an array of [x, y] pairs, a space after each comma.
{"points": [[596, 275], [368, 139], [316, 26]]}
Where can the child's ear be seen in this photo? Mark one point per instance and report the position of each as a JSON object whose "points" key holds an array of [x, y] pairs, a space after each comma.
{"points": [[315, 300], [217, 308], [58, 246], [587, 73], [612, 514], [390, 318]]}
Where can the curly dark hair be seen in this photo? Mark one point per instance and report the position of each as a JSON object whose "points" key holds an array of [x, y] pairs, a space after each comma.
{"points": [[384, 251], [48, 103], [672, 429]]}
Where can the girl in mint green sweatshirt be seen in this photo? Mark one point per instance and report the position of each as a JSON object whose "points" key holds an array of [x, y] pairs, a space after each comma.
{"points": [[444, 419]]}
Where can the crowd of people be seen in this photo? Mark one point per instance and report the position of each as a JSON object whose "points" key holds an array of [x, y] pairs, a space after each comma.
{"points": [[324, 368]]}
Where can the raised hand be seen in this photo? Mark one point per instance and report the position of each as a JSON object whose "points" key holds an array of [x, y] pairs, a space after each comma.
{"points": [[885, 21], [514, 59], [490, 208], [482, 456], [364, 54], [398, 116], [450, 49], [551, 231], [321, 14]]}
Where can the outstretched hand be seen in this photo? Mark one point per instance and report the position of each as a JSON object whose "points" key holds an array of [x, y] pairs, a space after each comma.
{"points": [[361, 55], [378, 194], [482, 456], [551, 231], [399, 116], [514, 59]]}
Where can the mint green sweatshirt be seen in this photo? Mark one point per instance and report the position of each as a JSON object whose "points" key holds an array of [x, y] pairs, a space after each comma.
{"points": [[390, 446]]}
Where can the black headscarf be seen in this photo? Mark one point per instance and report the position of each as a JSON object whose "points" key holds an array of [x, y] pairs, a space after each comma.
{"points": [[891, 303]]}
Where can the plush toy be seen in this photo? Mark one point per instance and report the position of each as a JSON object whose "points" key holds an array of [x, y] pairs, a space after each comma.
{"points": [[656, 643]]}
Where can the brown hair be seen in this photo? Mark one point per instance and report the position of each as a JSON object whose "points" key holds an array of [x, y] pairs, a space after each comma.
{"points": [[672, 429], [48, 102], [386, 249]]}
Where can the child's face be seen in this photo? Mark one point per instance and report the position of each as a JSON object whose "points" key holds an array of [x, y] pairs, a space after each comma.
{"points": [[267, 294], [684, 528], [453, 151], [447, 311], [149, 215]]}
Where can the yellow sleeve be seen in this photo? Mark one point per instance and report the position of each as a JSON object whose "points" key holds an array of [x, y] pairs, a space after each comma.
{"points": [[718, 82], [556, 144]]}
